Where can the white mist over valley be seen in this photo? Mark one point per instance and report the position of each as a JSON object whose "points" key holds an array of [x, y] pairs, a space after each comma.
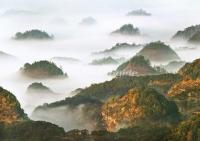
{"points": [[62, 19]]}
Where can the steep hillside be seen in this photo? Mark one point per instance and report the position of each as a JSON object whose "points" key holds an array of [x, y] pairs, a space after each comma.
{"points": [[31, 131], [78, 112], [195, 38], [188, 130], [10, 109], [159, 52], [136, 66], [16, 126], [136, 106], [38, 88], [191, 70], [186, 93], [120, 85], [190, 34], [42, 69]]}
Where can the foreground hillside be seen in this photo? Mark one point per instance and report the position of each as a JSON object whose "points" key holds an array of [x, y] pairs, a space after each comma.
{"points": [[137, 106], [16, 126], [168, 101], [158, 107], [186, 93]]}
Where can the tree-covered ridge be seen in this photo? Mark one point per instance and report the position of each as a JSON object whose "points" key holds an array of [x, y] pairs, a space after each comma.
{"points": [[87, 110], [42, 69], [139, 12], [33, 34], [127, 29], [88, 101], [159, 52], [72, 102], [138, 105], [38, 87], [190, 34], [191, 70], [104, 61], [16, 126], [31, 131], [10, 109], [120, 85], [144, 102], [187, 33], [119, 47], [137, 60], [195, 38], [188, 130], [137, 66], [186, 94]]}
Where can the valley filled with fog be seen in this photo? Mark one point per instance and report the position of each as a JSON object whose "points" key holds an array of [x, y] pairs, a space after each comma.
{"points": [[75, 40]]}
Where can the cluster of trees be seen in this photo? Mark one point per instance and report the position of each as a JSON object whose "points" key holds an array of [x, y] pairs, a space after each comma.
{"points": [[104, 61], [120, 85], [33, 34], [10, 107], [31, 131], [137, 66], [144, 104], [168, 122], [190, 34], [187, 32], [38, 87], [42, 69], [158, 52], [127, 29], [118, 47], [191, 70]]}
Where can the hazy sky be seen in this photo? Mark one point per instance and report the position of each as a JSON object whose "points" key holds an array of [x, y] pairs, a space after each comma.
{"points": [[96, 5]]}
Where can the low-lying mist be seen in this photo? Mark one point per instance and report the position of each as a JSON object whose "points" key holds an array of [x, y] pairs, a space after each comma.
{"points": [[79, 42]]}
